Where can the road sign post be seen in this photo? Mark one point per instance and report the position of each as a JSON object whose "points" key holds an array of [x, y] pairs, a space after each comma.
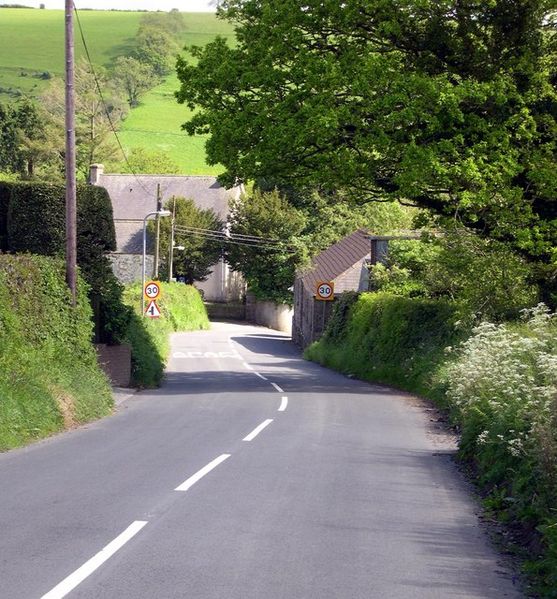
{"points": [[325, 291], [152, 310], [151, 292]]}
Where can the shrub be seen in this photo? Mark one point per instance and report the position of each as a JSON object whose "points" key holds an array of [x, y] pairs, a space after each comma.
{"points": [[502, 389], [485, 276], [5, 191], [49, 376]]}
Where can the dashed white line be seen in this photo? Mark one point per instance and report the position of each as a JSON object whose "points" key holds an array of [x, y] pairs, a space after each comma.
{"points": [[257, 430], [277, 388], [201, 473], [283, 404], [77, 577], [261, 376]]}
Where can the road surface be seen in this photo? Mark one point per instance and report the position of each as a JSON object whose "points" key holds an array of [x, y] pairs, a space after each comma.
{"points": [[251, 474]]}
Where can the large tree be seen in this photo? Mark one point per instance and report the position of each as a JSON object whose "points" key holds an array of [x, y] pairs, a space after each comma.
{"points": [[95, 115], [445, 104], [28, 142], [198, 254], [269, 264]]}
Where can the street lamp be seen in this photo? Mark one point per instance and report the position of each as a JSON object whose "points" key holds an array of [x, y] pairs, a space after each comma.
{"points": [[156, 213]]}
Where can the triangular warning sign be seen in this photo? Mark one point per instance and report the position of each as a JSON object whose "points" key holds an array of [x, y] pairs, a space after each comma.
{"points": [[152, 310]]}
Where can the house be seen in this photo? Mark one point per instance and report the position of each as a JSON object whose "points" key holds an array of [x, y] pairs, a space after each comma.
{"points": [[135, 196], [346, 265]]}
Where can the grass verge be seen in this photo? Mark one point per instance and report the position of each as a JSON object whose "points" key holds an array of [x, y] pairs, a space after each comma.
{"points": [[49, 376]]}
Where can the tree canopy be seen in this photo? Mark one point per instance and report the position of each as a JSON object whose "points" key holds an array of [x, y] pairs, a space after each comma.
{"points": [[448, 105], [195, 261]]}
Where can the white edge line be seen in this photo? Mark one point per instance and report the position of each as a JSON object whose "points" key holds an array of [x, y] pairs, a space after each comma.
{"points": [[74, 579], [283, 404], [277, 388], [261, 376], [201, 473], [257, 430], [248, 366]]}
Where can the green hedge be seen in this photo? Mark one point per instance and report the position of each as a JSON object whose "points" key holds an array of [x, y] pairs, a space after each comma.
{"points": [[49, 376], [5, 193], [181, 308], [389, 339], [36, 221]]}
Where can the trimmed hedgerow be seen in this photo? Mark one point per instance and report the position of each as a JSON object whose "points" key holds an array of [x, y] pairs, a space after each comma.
{"points": [[37, 220], [387, 338], [5, 192], [36, 223], [49, 375]]}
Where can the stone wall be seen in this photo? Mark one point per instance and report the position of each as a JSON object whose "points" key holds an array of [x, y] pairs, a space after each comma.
{"points": [[127, 267], [116, 362], [269, 314]]}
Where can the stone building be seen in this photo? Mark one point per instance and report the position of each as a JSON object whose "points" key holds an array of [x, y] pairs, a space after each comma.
{"points": [[346, 265], [135, 196]]}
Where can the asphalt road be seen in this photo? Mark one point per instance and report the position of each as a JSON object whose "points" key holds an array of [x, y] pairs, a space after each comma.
{"points": [[251, 474]]}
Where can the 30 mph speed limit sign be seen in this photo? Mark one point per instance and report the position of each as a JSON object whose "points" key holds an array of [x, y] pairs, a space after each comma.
{"points": [[325, 291], [152, 290]]}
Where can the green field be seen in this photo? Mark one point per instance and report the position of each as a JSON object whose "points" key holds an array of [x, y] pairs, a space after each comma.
{"points": [[33, 44]]}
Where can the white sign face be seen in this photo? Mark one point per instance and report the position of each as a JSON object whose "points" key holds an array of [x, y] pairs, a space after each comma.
{"points": [[152, 310], [152, 290], [325, 291]]}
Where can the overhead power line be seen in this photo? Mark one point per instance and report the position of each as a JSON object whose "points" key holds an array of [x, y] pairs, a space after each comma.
{"points": [[220, 236], [101, 96]]}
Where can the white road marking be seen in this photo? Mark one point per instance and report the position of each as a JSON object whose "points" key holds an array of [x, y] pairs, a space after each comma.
{"points": [[248, 366], [207, 354], [283, 404], [257, 430], [77, 577], [201, 473], [261, 376], [277, 388]]}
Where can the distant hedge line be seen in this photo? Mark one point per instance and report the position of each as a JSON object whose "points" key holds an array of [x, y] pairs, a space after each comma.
{"points": [[49, 375]]}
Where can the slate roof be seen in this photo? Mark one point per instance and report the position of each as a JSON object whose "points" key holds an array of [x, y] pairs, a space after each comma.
{"points": [[337, 259], [134, 196]]}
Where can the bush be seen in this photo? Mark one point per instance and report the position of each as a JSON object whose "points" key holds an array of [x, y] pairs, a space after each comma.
{"points": [[181, 308], [37, 224], [502, 390], [5, 192], [49, 376], [485, 276]]}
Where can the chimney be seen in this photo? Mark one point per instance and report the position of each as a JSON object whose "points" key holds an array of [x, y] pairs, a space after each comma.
{"points": [[95, 172]]}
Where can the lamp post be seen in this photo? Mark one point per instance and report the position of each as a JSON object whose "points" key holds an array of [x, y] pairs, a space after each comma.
{"points": [[156, 213]]}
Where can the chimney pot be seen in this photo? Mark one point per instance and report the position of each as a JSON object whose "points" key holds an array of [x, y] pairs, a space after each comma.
{"points": [[95, 172]]}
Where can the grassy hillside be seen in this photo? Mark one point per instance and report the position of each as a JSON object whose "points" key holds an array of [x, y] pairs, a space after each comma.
{"points": [[33, 44]]}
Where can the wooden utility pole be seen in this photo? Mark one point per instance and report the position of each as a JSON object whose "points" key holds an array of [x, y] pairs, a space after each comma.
{"points": [[71, 235], [158, 232]]}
